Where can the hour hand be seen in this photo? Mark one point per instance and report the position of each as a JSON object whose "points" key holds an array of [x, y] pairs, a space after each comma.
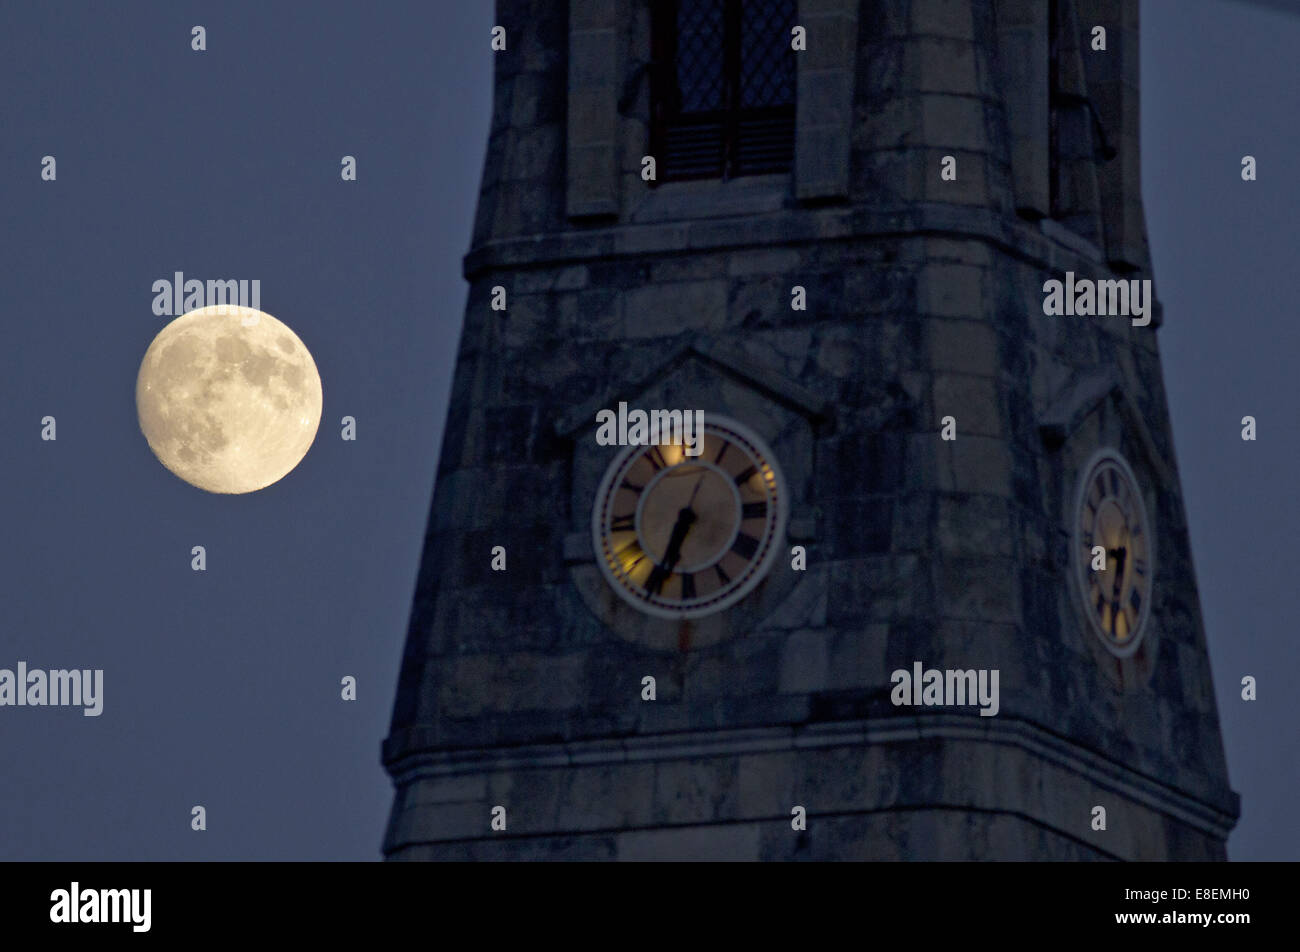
{"points": [[659, 574], [1119, 554]]}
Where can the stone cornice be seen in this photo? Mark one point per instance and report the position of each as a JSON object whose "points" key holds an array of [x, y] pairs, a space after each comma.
{"points": [[407, 761], [788, 227]]}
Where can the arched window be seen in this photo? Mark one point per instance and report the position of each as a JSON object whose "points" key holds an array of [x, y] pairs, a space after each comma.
{"points": [[723, 89]]}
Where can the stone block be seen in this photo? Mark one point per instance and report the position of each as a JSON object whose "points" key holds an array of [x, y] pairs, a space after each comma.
{"points": [[593, 58], [832, 41], [945, 18], [821, 162], [765, 784], [607, 797], [953, 122], [959, 251], [971, 401], [978, 588], [963, 346], [973, 185], [733, 842], [695, 791], [804, 662], [664, 310], [943, 65], [857, 658], [951, 290], [974, 525], [593, 14], [974, 464]]}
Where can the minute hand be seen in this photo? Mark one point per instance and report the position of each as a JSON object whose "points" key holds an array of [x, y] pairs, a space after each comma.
{"points": [[685, 519]]}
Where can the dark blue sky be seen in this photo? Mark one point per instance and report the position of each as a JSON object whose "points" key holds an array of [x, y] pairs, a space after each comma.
{"points": [[222, 689], [1219, 81]]}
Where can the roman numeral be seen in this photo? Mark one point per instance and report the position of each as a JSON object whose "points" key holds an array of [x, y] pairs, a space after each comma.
{"points": [[628, 484], [656, 458], [1135, 600], [631, 546], [745, 546], [688, 586], [723, 577], [746, 475], [721, 453], [754, 510], [623, 523]]}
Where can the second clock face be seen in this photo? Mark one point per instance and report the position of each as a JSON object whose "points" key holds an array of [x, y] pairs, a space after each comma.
{"points": [[683, 536], [1111, 514]]}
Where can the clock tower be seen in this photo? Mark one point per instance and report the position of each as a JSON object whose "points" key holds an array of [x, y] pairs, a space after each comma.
{"points": [[824, 229]]}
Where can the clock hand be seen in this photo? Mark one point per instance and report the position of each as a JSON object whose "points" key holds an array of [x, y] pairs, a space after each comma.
{"points": [[659, 574], [1119, 579], [1119, 569], [690, 501], [685, 519]]}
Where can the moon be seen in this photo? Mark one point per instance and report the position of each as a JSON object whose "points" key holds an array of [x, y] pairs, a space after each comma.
{"points": [[229, 398]]}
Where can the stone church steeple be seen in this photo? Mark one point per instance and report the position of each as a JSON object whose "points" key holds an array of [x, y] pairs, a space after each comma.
{"points": [[910, 466]]}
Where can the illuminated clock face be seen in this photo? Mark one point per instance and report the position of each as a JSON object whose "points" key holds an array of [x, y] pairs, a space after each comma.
{"points": [[1111, 514], [682, 536]]}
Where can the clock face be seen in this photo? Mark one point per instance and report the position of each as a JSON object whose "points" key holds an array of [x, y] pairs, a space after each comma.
{"points": [[1110, 513], [683, 536]]}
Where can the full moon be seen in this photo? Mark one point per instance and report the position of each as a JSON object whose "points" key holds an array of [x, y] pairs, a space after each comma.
{"points": [[229, 398]]}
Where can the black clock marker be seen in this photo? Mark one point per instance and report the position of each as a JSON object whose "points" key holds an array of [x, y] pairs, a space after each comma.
{"points": [[754, 510], [745, 546], [688, 586], [746, 475], [623, 523]]}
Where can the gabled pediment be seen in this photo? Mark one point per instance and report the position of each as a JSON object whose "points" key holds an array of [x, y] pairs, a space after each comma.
{"points": [[1083, 393], [723, 360]]}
